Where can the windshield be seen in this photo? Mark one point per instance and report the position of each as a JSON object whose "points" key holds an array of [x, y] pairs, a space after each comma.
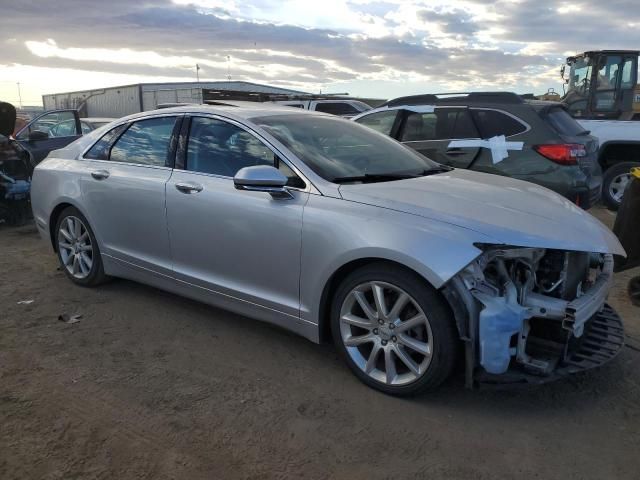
{"points": [[580, 76], [335, 148]]}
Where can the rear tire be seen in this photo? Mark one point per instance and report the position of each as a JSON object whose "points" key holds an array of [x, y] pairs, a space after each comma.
{"points": [[398, 350], [614, 180], [77, 249]]}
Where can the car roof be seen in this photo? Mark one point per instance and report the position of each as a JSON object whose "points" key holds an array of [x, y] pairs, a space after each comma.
{"points": [[97, 119], [458, 98], [230, 108]]}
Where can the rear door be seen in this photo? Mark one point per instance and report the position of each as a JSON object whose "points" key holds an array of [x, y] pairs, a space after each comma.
{"points": [[492, 123], [124, 191], [431, 132], [49, 131]]}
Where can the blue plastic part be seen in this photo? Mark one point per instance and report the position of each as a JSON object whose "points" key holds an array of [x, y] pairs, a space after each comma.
{"points": [[499, 321], [17, 190]]}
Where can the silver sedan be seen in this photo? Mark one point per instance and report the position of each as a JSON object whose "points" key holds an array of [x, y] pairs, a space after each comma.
{"points": [[335, 231]]}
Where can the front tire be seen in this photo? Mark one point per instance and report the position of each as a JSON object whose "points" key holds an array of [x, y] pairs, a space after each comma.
{"points": [[614, 182], [77, 249], [394, 331]]}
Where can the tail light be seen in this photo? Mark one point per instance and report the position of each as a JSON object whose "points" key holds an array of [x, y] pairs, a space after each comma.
{"points": [[564, 154]]}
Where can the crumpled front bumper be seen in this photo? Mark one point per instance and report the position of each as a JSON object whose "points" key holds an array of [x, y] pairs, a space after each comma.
{"points": [[535, 338], [601, 341]]}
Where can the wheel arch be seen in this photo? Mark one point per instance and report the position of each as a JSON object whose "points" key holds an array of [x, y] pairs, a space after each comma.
{"points": [[334, 280], [55, 215], [617, 151]]}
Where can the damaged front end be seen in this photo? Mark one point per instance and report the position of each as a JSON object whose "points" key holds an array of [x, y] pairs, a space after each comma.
{"points": [[530, 315]]}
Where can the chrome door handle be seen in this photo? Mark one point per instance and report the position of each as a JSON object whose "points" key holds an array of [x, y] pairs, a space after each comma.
{"points": [[189, 187], [100, 174]]}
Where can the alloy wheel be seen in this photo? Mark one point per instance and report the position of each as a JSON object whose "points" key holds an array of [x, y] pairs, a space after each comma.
{"points": [[618, 185], [386, 333], [74, 245]]}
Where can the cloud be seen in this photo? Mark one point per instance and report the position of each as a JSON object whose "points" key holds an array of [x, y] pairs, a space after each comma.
{"points": [[423, 45]]}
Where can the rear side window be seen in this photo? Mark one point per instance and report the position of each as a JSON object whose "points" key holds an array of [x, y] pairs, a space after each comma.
{"points": [[380, 121], [460, 124], [145, 142], [101, 149], [442, 124], [336, 108], [492, 123], [563, 123]]}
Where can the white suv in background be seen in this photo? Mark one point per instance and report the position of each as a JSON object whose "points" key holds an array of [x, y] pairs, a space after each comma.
{"points": [[340, 107]]}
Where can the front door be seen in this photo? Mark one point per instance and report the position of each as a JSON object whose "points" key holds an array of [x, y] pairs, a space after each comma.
{"points": [[241, 248], [49, 131], [124, 192]]}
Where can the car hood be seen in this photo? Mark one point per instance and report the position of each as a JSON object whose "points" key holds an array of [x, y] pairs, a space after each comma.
{"points": [[511, 212]]}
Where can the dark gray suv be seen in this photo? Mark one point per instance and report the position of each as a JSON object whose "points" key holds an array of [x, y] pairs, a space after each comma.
{"points": [[500, 133]]}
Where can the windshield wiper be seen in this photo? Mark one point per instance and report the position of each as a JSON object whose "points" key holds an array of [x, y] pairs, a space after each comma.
{"points": [[386, 177], [374, 177], [434, 170]]}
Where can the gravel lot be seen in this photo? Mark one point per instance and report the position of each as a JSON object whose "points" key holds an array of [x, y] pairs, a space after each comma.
{"points": [[150, 385]]}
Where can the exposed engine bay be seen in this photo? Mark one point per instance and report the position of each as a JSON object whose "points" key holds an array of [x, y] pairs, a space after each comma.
{"points": [[529, 309]]}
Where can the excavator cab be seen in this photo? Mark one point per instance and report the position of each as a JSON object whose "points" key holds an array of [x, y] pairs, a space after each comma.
{"points": [[603, 85]]}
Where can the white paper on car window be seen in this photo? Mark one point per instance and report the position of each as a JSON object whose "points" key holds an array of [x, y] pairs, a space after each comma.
{"points": [[498, 145]]}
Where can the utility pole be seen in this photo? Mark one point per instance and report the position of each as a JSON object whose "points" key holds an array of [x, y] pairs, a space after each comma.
{"points": [[228, 68], [19, 95], [198, 73]]}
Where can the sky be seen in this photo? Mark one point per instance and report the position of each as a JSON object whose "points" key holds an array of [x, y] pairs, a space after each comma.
{"points": [[368, 48]]}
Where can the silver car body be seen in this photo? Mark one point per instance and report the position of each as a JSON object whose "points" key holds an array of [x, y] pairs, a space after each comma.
{"points": [[274, 259]]}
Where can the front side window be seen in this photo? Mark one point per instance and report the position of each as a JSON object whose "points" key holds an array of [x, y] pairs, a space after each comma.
{"points": [[380, 121], [336, 148], [220, 148], [628, 80], [54, 124], [66, 128], [492, 123], [608, 73], [145, 142]]}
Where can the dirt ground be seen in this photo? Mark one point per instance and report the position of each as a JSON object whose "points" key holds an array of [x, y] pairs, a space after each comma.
{"points": [[150, 385]]}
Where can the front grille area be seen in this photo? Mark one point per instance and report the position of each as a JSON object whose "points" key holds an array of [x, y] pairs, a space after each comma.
{"points": [[601, 341]]}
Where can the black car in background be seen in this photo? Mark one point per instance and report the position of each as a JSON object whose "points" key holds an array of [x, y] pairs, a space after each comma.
{"points": [[54, 129]]}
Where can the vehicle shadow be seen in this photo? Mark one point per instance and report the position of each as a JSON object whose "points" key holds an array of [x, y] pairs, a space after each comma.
{"points": [[327, 373]]}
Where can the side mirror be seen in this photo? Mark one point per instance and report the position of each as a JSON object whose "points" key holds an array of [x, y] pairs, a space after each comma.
{"points": [[38, 135], [262, 178]]}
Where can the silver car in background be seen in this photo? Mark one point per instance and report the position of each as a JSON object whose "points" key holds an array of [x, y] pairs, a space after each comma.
{"points": [[333, 230]]}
